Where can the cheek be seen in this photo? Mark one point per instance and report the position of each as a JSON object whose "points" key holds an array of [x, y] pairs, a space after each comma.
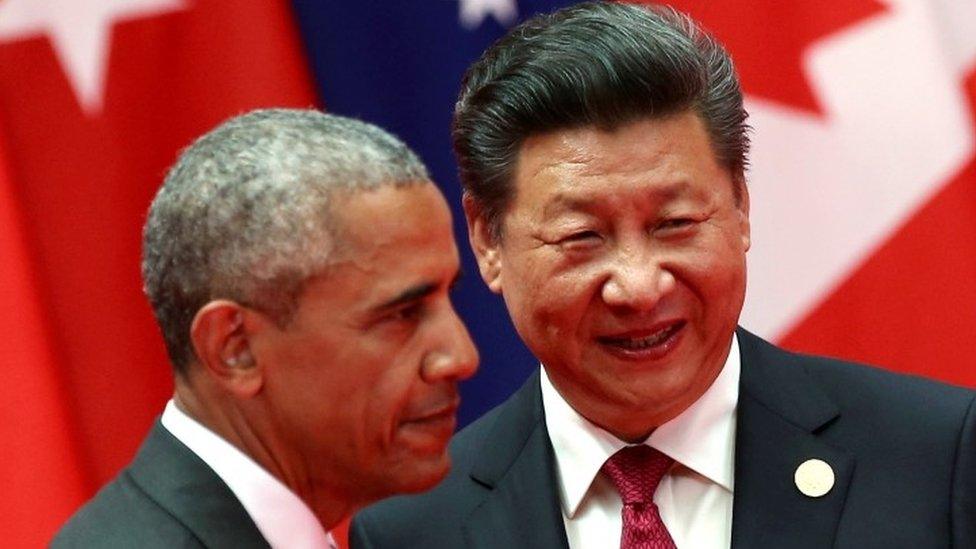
{"points": [[549, 294], [561, 304], [393, 390], [723, 273], [715, 278], [360, 386], [716, 255]]}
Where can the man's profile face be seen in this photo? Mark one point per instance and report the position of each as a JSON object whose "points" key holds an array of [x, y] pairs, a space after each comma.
{"points": [[622, 264], [362, 381]]}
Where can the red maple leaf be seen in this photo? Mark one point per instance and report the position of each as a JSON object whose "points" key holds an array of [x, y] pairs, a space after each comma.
{"points": [[767, 39]]}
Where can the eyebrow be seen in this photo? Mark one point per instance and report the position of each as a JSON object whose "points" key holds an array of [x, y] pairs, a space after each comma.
{"points": [[563, 202], [413, 293]]}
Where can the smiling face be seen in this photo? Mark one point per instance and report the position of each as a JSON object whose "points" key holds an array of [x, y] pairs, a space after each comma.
{"points": [[360, 386], [622, 264]]}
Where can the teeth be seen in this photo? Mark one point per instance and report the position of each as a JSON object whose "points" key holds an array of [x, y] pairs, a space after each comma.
{"points": [[643, 342]]}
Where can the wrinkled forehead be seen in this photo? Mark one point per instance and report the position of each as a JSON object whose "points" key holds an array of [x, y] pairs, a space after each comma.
{"points": [[595, 197], [659, 158]]}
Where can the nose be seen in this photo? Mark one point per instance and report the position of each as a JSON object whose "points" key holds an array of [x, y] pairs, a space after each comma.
{"points": [[636, 280], [455, 358]]}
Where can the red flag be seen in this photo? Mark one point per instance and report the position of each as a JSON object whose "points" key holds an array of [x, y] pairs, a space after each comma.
{"points": [[40, 461], [863, 182], [96, 100]]}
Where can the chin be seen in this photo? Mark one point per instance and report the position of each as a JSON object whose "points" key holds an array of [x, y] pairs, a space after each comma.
{"points": [[424, 475]]}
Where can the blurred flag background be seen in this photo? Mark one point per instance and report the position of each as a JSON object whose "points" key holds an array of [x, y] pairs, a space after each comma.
{"points": [[863, 186]]}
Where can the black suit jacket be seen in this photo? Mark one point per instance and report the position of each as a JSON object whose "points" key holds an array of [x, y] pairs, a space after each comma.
{"points": [[903, 451], [167, 497]]}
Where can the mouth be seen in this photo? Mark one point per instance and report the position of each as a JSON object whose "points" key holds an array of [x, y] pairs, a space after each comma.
{"points": [[436, 416], [447, 412], [430, 431], [645, 344]]}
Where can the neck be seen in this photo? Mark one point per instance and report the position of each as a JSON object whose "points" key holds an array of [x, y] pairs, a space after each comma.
{"points": [[230, 423]]}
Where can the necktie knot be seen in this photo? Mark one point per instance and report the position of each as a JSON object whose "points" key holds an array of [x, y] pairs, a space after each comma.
{"points": [[636, 471]]}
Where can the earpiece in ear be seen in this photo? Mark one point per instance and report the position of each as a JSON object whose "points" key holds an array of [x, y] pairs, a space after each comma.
{"points": [[243, 360]]}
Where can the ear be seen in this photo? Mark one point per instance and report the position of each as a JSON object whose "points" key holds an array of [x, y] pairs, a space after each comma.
{"points": [[220, 335], [484, 244], [745, 228]]}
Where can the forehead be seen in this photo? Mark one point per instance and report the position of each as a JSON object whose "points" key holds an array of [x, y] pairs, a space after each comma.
{"points": [[660, 158], [388, 239], [390, 214]]}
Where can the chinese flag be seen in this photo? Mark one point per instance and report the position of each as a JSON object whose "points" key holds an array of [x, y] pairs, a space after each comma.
{"points": [[96, 100]]}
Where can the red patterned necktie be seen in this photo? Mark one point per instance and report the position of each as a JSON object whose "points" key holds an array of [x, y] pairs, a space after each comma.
{"points": [[636, 472]]}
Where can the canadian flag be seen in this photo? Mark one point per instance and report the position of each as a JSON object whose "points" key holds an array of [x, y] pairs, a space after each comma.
{"points": [[863, 177], [96, 99]]}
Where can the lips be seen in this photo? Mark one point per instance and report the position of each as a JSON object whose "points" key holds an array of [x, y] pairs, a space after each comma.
{"points": [[436, 413], [645, 343], [443, 413], [430, 430]]}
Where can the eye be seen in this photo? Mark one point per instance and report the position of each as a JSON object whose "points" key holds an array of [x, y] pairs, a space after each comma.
{"points": [[676, 224], [407, 313], [581, 237]]}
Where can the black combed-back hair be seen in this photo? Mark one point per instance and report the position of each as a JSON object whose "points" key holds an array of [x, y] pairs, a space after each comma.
{"points": [[597, 64]]}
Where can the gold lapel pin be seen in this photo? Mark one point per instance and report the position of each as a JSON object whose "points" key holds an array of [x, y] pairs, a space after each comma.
{"points": [[814, 478]]}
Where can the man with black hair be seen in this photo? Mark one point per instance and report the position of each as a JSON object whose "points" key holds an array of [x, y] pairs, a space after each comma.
{"points": [[602, 149]]}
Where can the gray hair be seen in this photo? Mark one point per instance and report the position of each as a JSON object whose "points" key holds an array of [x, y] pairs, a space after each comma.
{"points": [[597, 63], [244, 214]]}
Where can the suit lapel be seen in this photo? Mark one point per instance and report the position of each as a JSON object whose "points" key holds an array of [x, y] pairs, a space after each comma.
{"points": [[781, 410], [180, 482], [521, 507]]}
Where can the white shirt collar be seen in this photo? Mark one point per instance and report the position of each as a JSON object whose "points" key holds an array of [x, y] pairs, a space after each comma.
{"points": [[280, 515], [702, 438]]}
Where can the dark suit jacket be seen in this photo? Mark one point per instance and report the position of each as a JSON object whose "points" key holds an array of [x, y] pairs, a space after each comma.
{"points": [[167, 497], [903, 451]]}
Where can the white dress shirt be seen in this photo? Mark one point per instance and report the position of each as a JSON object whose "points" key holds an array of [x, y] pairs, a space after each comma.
{"points": [[694, 497], [280, 515]]}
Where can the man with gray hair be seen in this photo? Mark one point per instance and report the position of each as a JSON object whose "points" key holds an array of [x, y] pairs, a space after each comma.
{"points": [[299, 265], [602, 149]]}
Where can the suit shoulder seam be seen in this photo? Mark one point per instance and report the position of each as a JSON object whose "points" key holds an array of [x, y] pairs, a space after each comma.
{"points": [[137, 486]]}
